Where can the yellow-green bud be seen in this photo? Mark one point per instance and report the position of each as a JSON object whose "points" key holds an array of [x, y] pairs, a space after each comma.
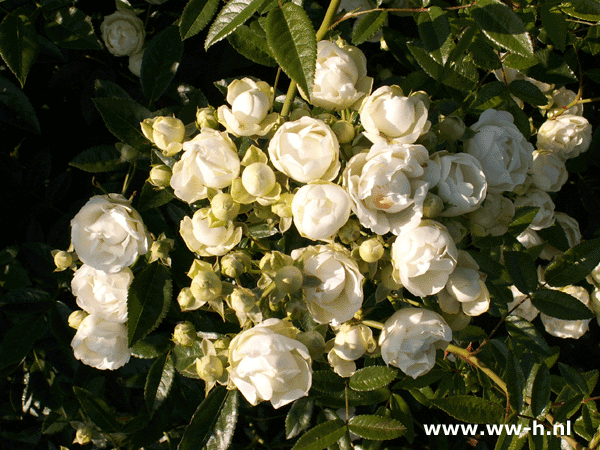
{"points": [[186, 300], [235, 263], [184, 334], [371, 250], [206, 286], [206, 118], [387, 279], [432, 206], [128, 153], [62, 260], [224, 207], [254, 155], [273, 261], [350, 232], [327, 118], [83, 435], [258, 179], [452, 128], [298, 113], [283, 207], [76, 317], [209, 368], [167, 133], [288, 279], [242, 300], [197, 267], [160, 176], [344, 131]]}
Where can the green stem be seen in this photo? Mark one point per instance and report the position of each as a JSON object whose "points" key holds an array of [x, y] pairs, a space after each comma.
{"points": [[373, 324], [467, 356], [128, 178]]}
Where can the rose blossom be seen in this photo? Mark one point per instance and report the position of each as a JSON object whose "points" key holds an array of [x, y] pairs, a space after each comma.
{"points": [[101, 293], [539, 199], [123, 33], [267, 363], [493, 217], [526, 310], [108, 234], [548, 171], [423, 258], [339, 295], [101, 343], [205, 240], [320, 210], [210, 160], [305, 150], [504, 153], [388, 186], [409, 340], [167, 133], [567, 135], [565, 329], [387, 115], [561, 98]]}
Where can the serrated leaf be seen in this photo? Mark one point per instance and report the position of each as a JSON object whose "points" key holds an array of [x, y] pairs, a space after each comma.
{"points": [[523, 332], [524, 215], [158, 383], [122, 117], [233, 14], [553, 20], [252, 46], [102, 158], [470, 409], [522, 270], [97, 410], [222, 434], [582, 9], [502, 26], [160, 62], [540, 391], [528, 92], [574, 379], [376, 428], [326, 381], [185, 359], [19, 45], [371, 378], [491, 95], [515, 382], [434, 31], [574, 265], [16, 109], [338, 399], [560, 305], [152, 346], [71, 28], [298, 417], [484, 55], [19, 339], [291, 37], [148, 301], [195, 16], [321, 436], [552, 68], [368, 25], [152, 197]]}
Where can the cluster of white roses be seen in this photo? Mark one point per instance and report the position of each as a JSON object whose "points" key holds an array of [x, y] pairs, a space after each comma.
{"points": [[378, 200]]}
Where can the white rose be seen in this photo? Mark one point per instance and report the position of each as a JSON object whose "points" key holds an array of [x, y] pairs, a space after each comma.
{"points": [[353, 341], [423, 258], [526, 310], [572, 232], [462, 183], [561, 98], [388, 186], [205, 240], [493, 217], [305, 150], [320, 210], [566, 329], [135, 63], [210, 160], [108, 234], [594, 277], [167, 133], [123, 33], [548, 171], [341, 78], [387, 115], [339, 295], [409, 340], [103, 294], [101, 343], [504, 153], [529, 238], [250, 103], [567, 135], [539, 199], [266, 363], [343, 367]]}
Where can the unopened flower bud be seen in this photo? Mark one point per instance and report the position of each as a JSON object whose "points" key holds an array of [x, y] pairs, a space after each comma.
{"points": [[298, 113], [235, 263], [273, 261], [209, 368], [242, 300], [371, 250], [224, 207], [167, 133], [128, 153], [76, 317], [258, 179], [186, 300], [432, 206], [326, 117], [344, 131], [452, 128], [160, 176], [62, 260], [283, 206], [184, 334], [288, 279], [387, 278], [350, 232], [206, 286], [206, 118], [83, 435]]}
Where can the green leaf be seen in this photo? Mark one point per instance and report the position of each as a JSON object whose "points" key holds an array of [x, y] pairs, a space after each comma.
{"points": [[573, 379], [371, 378], [160, 62], [71, 28], [434, 31], [122, 118], [153, 346], [491, 95], [540, 391], [523, 332], [524, 215], [574, 265], [484, 55], [470, 409], [338, 399], [553, 20], [515, 382], [368, 25], [552, 68], [102, 158], [252, 44], [196, 15], [376, 428], [326, 381], [528, 92], [152, 197], [158, 383], [16, 109], [185, 359], [321, 436], [222, 433], [105, 88], [291, 36], [561, 305], [582, 9], [19, 45], [502, 26], [522, 270], [298, 417], [97, 410], [204, 421], [19, 339], [148, 301], [233, 14]]}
